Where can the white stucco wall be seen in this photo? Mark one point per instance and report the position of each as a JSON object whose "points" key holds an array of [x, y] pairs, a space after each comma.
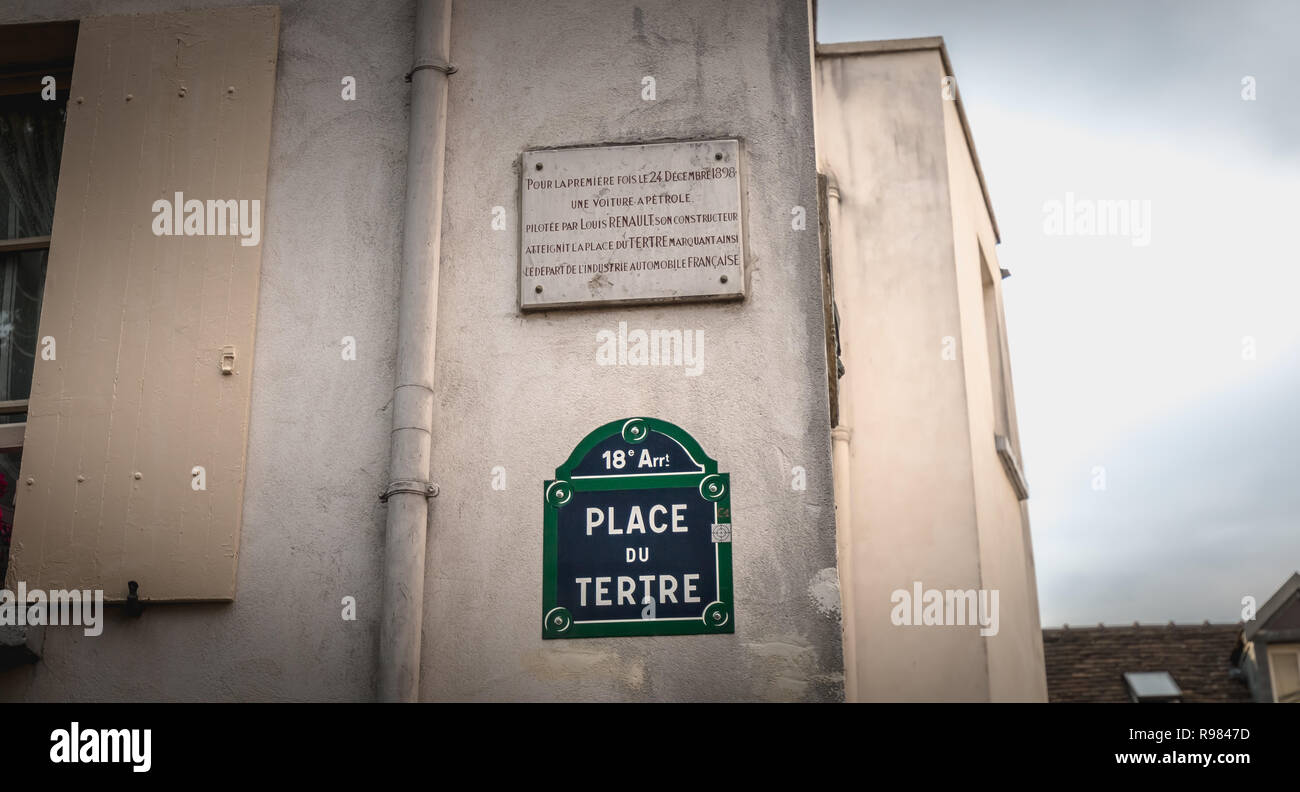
{"points": [[912, 511], [927, 500], [513, 390], [1016, 666], [318, 436], [520, 391]]}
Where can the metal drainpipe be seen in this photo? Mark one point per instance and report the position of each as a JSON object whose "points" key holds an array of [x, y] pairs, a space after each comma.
{"points": [[842, 471], [417, 320]]}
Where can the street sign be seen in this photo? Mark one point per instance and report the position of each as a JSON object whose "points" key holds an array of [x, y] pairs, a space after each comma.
{"points": [[637, 537]]}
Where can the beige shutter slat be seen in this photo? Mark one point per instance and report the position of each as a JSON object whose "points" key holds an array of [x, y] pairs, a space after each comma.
{"points": [[139, 321]]}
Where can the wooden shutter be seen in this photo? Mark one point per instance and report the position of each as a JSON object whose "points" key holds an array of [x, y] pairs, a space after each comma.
{"points": [[135, 397]]}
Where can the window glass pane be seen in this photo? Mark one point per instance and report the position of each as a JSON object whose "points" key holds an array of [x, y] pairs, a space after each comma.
{"points": [[1152, 684], [22, 279], [9, 464], [1286, 672], [31, 140]]}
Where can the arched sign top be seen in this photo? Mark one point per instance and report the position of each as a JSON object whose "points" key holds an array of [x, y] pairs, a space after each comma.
{"points": [[636, 447], [637, 536]]}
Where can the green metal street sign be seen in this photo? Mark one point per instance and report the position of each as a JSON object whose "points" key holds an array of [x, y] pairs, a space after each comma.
{"points": [[637, 537]]}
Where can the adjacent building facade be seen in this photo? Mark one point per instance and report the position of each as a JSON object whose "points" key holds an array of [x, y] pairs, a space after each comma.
{"points": [[1255, 660], [1139, 663], [930, 491], [298, 436], [1267, 651]]}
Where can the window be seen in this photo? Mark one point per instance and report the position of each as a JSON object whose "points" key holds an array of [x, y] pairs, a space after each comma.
{"points": [[32, 117], [1285, 669], [1005, 439], [1152, 686], [993, 336]]}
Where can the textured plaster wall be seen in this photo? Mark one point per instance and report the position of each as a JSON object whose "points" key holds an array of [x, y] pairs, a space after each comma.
{"points": [[513, 391], [318, 440], [520, 391]]}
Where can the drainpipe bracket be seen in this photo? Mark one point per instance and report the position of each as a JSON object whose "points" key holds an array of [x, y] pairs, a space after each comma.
{"points": [[437, 65], [426, 488]]}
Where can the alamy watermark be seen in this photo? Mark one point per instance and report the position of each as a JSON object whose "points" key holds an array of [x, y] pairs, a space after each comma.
{"points": [[651, 348], [1086, 217], [35, 608], [213, 217], [945, 607], [92, 746]]}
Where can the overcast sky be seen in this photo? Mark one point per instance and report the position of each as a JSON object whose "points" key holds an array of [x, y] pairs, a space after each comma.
{"points": [[1125, 357]]}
